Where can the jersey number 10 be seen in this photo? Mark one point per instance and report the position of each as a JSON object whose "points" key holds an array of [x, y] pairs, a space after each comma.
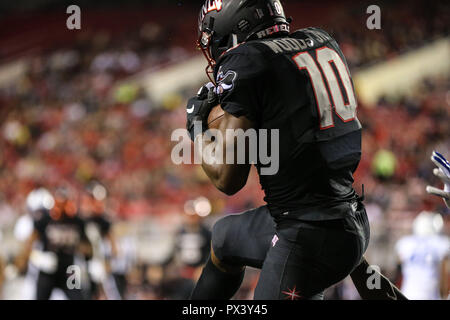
{"points": [[325, 58]]}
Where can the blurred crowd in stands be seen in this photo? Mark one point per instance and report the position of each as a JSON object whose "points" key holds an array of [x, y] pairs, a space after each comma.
{"points": [[403, 26], [71, 119]]}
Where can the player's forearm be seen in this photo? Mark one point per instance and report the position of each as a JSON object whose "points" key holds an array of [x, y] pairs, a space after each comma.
{"points": [[216, 177], [209, 162], [222, 179], [228, 178], [220, 155]]}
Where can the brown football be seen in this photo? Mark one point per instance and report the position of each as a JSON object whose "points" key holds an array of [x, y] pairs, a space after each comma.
{"points": [[214, 117]]}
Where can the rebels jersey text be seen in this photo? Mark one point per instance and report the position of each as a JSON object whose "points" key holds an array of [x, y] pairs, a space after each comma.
{"points": [[299, 84]]}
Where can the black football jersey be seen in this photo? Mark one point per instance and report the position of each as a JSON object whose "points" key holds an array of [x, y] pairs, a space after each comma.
{"points": [[301, 86], [193, 247], [61, 237]]}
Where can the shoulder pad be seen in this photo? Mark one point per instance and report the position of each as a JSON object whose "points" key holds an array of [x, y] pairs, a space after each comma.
{"points": [[251, 48], [317, 33], [242, 48]]}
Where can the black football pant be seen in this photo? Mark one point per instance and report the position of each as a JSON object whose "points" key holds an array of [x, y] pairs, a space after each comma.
{"points": [[301, 260], [305, 258], [47, 282]]}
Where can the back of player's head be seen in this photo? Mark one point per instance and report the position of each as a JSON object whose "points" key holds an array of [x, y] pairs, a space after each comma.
{"points": [[427, 223], [223, 24]]}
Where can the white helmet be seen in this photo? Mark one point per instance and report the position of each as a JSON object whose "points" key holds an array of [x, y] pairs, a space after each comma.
{"points": [[428, 223], [40, 199]]}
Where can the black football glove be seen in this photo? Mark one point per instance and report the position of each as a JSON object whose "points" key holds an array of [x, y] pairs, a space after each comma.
{"points": [[199, 107]]}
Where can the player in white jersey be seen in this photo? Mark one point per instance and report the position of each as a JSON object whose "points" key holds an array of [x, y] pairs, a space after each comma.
{"points": [[423, 258]]}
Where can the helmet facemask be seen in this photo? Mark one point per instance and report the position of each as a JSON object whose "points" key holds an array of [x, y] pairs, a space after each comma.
{"points": [[204, 44], [212, 48]]}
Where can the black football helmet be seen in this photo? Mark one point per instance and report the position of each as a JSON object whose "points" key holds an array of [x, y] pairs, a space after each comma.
{"points": [[224, 24]]}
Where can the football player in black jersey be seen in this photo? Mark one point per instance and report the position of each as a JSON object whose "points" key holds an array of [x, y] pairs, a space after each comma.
{"points": [[192, 239], [314, 230], [100, 233], [62, 234]]}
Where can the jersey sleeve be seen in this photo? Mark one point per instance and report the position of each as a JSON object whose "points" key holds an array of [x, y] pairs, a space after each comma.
{"points": [[239, 84]]}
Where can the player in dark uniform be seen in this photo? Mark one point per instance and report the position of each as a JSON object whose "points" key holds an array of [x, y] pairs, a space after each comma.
{"points": [[103, 241], [300, 85], [62, 234], [192, 244]]}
